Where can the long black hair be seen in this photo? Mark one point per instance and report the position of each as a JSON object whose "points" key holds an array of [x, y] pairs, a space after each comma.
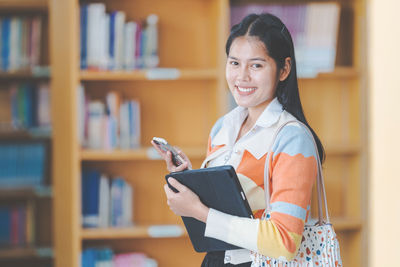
{"points": [[279, 45]]}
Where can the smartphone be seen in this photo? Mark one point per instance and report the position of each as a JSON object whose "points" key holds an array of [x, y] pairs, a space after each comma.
{"points": [[163, 145]]}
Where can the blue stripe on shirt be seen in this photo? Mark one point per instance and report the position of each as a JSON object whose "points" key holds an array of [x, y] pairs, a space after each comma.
{"points": [[290, 209]]}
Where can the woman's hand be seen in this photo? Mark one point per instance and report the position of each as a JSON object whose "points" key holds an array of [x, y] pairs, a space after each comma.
{"points": [[167, 156], [185, 202]]}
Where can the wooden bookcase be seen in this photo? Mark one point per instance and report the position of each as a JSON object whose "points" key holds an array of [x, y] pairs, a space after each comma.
{"points": [[192, 39], [39, 200]]}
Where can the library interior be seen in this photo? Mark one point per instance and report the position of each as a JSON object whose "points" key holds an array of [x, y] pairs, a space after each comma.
{"points": [[86, 85]]}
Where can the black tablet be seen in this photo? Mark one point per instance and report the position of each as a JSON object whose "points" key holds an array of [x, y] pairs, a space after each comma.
{"points": [[218, 188]]}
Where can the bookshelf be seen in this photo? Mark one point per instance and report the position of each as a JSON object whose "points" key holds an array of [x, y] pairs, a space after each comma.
{"points": [[33, 204], [192, 39]]}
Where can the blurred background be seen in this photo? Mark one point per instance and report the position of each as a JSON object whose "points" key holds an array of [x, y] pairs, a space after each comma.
{"points": [[86, 84]]}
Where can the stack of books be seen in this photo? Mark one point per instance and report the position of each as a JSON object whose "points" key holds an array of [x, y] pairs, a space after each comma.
{"points": [[23, 164], [92, 257], [20, 42], [110, 42], [114, 123], [25, 106], [106, 202], [16, 225]]}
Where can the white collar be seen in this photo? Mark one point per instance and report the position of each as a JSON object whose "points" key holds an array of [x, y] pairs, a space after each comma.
{"points": [[233, 121]]}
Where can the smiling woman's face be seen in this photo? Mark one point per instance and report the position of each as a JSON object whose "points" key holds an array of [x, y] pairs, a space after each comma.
{"points": [[252, 75]]}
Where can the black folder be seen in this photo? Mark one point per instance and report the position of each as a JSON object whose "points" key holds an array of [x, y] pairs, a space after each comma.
{"points": [[218, 188]]}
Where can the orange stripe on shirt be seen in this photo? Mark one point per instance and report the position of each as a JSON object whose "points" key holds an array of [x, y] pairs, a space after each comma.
{"points": [[291, 175], [252, 168]]}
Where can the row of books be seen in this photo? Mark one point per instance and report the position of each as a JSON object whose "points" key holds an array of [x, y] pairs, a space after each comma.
{"points": [[314, 29], [16, 225], [110, 42], [114, 123], [106, 202], [20, 42], [22, 164], [92, 257], [24, 106]]}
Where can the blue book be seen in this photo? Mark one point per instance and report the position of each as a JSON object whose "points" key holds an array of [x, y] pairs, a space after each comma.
{"points": [[117, 186], [5, 225], [5, 48], [37, 163], [35, 105], [3, 166], [91, 191], [130, 120], [29, 111], [83, 24], [111, 46], [89, 258]]}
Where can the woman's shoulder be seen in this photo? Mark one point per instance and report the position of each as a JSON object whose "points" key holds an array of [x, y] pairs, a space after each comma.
{"points": [[294, 139], [217, 127]]}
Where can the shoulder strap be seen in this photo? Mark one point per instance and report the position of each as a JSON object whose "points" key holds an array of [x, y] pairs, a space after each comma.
{"points": [[320, 180]]}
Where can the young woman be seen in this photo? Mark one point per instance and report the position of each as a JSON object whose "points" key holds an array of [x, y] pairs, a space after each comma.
{"points": [[261, 75]]}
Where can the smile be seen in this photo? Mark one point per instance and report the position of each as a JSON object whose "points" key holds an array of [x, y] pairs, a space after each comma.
{"points": [[246, 89]]}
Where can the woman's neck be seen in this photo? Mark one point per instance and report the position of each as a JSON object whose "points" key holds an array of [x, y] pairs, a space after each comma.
{"points": [[253, 114]]}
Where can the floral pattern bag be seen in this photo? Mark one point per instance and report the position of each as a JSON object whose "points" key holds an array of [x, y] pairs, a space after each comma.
{"points": [[319, 245]]}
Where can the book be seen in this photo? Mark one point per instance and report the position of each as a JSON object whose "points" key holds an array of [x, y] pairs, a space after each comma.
{"points": [[90, 198], [112, 41], [104, 201]]}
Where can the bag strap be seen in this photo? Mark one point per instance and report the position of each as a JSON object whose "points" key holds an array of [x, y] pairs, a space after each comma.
{"points": [[320, 180]]}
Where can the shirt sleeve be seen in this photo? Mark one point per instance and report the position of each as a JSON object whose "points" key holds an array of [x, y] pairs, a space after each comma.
{"points": [[293, 169]]}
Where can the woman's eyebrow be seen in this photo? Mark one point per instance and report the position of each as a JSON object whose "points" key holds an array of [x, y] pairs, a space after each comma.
{"points": [[257, 58], [251, 59]]}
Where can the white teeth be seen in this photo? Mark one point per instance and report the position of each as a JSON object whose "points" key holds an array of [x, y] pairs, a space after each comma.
{"points": [[245, 90]]}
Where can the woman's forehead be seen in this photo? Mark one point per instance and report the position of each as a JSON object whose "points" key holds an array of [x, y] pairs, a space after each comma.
{"points": [[247, 46]]}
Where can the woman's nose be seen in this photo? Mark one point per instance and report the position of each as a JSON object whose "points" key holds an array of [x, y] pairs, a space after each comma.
{"points": [[244, 74]]}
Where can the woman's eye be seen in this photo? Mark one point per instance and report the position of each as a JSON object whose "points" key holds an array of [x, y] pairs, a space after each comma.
{"points": [[256, 65], [234, 63]]}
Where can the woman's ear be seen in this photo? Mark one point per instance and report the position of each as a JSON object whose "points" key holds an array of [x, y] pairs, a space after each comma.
{"points": [[285, 71]]}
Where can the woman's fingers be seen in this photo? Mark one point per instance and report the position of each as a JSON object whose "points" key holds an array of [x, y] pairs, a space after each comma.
{"points": [[177, 185], [186, 159]]}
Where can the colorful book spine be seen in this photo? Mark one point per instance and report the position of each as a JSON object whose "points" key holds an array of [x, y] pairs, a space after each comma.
{"points": [[105, 257], [24, 164], [111, 41], [106, 202], [110, 125], [14, 224]]}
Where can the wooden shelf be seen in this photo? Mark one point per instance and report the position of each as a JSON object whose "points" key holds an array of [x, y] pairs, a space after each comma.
{"points": [[342, 149], [142, 231], [29, 252], [24, 4], [37, 73], [147, 153], [338, 73], [341, 224], [34, 133], [25, 193], [155, 74]]}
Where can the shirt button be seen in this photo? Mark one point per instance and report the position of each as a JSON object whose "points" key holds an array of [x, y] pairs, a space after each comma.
{"points": [[226, 157], [227, 258], [237, 151]]}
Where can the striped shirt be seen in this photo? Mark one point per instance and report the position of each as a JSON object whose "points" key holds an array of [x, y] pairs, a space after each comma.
{"points": [[292, 172]]}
